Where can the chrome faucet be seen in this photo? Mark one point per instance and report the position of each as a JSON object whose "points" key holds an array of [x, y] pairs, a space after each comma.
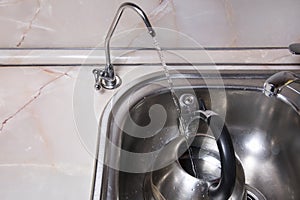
{"points": [[107, 77], [274, 85]]}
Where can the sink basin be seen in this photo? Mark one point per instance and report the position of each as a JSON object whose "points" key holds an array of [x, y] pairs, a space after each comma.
{"points": [[143, 120]]}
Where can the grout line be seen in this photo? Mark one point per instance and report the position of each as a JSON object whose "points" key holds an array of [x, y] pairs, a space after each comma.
{"points": [[150, 64], [151, 49]]}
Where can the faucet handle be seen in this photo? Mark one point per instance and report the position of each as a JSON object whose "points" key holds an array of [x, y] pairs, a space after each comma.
{"points": [[295, 48], [98, 74], [103, 80]]}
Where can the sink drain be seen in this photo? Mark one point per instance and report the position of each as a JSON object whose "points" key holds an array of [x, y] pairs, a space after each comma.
{"points": [[254, 194]]}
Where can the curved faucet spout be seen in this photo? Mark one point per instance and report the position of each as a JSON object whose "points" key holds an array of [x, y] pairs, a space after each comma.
{"points": [[109, 67], [107, 78]]}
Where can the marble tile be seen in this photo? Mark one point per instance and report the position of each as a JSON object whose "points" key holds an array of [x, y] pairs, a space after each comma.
{"points": [[229, 23], [42, 154]]}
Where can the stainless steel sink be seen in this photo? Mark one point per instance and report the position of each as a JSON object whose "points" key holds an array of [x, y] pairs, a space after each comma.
{"points": [[265, 133]]}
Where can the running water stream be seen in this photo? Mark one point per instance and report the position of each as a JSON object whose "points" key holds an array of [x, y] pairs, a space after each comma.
{"points": [[182, 124]]}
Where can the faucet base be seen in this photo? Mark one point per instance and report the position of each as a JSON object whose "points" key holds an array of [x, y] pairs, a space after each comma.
{"points": [[110, 85]]}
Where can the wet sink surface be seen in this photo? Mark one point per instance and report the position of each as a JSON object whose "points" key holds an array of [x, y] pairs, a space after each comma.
{"points": [[265, 134]]}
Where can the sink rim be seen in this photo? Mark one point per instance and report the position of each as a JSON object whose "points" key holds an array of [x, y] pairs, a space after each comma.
{"points": [[141, 82]]}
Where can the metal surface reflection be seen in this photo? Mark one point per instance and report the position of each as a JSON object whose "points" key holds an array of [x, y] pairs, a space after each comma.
{"points": [[265, 134]]}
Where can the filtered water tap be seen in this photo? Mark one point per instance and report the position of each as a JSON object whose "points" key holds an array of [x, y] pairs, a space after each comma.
{"points": [[107, 77]]}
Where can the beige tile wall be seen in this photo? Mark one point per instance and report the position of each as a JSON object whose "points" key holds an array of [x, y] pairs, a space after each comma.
{"points": [[79, 23]]}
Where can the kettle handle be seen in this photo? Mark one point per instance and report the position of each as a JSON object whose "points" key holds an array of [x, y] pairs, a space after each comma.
{"points": [[224, 188]]}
